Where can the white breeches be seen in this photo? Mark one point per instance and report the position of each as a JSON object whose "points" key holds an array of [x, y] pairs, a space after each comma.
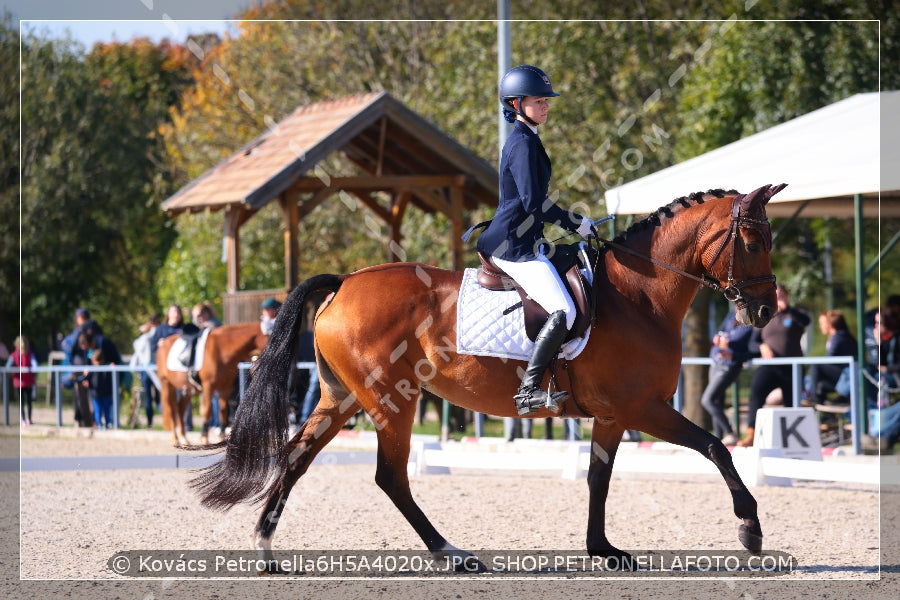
{"points": [[542, 283]]}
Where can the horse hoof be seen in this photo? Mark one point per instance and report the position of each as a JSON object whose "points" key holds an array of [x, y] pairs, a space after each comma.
{"points": [[467, 563], [459, 561], [616, 560], [751, 538]]}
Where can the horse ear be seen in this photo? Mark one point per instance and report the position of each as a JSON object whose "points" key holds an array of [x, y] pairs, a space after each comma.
{"points": [[774, 190], [749, 201], [760, 195]]}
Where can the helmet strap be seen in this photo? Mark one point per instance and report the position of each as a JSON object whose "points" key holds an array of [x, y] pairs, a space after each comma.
{"points": [[521, 113]]}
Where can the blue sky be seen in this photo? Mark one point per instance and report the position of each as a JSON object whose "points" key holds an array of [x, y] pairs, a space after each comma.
{"points": [[122, 20]]}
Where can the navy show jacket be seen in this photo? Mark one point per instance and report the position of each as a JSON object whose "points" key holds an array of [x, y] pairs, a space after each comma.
{"points": [[517, 228]]}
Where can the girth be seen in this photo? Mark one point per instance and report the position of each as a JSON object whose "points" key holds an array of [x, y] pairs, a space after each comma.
{"points": [[566, 261]]}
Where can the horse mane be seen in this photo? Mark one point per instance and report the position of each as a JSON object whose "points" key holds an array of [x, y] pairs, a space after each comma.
{"points": [[655, 218]]}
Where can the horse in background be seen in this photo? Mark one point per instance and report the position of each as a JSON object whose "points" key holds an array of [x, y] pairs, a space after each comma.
{"points": [[388, 331], [225, 348]]}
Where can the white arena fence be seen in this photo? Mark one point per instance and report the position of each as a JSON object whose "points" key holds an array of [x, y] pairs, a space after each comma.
{"points": [[57, 372]]}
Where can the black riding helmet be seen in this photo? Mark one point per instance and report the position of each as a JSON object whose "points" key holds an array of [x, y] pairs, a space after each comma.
{"points": [[521, 81]]}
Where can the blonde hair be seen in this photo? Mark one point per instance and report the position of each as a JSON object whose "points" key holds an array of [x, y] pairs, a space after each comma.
{"points": [[21, 343]]}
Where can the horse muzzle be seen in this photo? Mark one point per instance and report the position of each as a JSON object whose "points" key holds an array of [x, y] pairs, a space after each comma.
{"points": [[754, 314]]}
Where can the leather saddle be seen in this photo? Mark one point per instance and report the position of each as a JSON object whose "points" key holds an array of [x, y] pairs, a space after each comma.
{"points": [[568, 259], [190, 333]]}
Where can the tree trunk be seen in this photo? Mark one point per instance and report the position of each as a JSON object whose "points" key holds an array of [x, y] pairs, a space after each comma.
{"points": [[696, 343]]}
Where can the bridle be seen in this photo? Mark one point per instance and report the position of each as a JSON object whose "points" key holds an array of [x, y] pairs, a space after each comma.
{"points": [[733, 292]]}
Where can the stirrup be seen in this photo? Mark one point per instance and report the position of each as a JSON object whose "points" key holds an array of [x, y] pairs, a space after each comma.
{"points": [[529, 399]]}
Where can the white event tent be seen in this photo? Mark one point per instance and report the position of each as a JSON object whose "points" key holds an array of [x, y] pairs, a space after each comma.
{"points": [[826, 157]]}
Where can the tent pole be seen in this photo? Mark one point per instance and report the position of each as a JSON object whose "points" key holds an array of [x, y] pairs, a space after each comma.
{"points": [[790, 220], [887, 248], [860, 317]]}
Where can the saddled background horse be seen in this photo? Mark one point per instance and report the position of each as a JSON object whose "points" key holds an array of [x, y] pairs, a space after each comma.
{"points": [[387, 331], [226, 347]]}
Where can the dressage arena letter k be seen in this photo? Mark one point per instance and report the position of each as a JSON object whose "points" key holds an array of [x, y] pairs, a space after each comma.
{"points": [[787, 431]]}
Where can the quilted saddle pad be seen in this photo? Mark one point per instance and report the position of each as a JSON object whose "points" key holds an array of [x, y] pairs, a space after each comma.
{"points": [[482, 328]]}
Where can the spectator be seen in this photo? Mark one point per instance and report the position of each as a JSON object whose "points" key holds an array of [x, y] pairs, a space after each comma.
{"points": [[779, 338], [23, 380], [99, 385], [269, 309], [886, 431], [886, 374], [174, 324], [730, 350], [142, 357], [97, 341], [74, 356], [204, 316], [307, 354], [823, 379]]}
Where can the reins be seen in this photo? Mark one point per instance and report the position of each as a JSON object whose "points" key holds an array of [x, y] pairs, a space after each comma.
{"points": [[732, 291]]}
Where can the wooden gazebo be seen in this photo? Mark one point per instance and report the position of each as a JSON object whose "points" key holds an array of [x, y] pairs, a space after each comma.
{"points": [[399, 153]]}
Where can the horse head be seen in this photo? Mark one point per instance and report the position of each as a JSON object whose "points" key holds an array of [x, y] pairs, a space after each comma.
{"points": [[745, 274]]}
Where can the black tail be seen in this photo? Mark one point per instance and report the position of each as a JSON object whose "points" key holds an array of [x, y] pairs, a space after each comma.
{"points": [[260, 429]]}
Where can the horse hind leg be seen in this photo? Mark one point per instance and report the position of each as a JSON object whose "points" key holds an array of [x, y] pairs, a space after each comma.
{"points": [[313, 435], [671, 426]]}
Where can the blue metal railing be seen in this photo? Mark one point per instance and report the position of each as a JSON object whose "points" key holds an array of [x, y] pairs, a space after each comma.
{"points": [[796, 363]]}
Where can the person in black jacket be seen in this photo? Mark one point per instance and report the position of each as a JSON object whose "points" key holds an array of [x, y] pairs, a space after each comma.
{"points": [[780, 337], [514, 238]]}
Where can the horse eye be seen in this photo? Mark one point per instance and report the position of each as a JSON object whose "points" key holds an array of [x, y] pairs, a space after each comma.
{"points": [[753, 247]]}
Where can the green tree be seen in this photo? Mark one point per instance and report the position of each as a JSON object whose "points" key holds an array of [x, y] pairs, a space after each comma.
{"points": [[92, 178], [9, 179]]}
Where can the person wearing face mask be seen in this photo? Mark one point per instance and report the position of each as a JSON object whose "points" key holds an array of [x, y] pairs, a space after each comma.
{"points": [[269, 309], [780, 337]]}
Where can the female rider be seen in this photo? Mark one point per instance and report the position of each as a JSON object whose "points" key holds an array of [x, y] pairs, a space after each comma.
{"points": [[515, 236]]}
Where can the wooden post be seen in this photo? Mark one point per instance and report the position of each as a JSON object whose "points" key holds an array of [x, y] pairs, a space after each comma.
{"points": [[456, 227], [290, 209], [399, 202], [233, 222]]}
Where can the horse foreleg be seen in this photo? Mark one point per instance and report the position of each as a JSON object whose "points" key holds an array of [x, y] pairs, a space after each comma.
{"points": [[671, 426], [605, 438], [392, 477], [223, 412], [182, 401], [205, 411]]}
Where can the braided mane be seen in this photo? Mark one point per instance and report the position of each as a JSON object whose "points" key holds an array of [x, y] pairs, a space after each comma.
{"points": [[654, 219]]}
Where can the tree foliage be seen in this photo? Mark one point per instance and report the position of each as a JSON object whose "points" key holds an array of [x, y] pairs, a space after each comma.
{"points": [[93, 174], [9, 179], [738, 90]]}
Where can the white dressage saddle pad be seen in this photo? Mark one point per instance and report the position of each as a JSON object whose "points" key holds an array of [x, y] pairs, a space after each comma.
{"points": [[172, 362], [483, 330]]}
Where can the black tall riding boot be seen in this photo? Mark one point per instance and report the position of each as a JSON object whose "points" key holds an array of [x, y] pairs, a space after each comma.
{"points": [[530, 396]]}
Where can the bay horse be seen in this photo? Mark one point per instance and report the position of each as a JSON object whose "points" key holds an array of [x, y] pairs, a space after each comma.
{"points": [[226, 347], [389, 330]]}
